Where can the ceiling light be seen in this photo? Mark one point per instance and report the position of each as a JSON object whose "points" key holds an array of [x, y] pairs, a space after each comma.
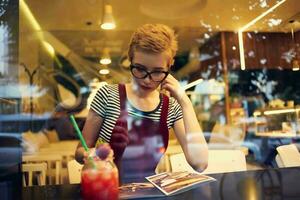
{"points": [[104, 70], [296, 66], [105, 58], [108, 21], [105, 61]]}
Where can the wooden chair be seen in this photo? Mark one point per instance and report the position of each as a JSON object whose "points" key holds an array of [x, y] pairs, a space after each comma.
{"points": [[66, 150], [219, 161], [74, 171], [288, 156], [53, 164], [31, 169], [232, 137], [227, 137], [164, 163]]}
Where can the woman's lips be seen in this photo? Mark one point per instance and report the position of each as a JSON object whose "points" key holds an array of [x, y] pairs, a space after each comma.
{"points": [[145, 87]]}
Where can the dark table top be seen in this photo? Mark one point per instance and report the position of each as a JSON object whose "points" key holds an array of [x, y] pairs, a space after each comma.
{"points": [[281, 183]]}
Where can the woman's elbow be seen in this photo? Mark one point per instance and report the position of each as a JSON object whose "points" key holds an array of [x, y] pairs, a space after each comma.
{"points": [[200, 167]]}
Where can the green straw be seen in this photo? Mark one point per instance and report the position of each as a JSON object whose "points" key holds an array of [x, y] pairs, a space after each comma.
{"points": [[79, 133]]}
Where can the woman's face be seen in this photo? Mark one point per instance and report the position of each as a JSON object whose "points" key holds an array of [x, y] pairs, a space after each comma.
{"points": [[156, 64]]}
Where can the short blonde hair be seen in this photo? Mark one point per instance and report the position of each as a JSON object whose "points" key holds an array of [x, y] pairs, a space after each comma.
{"points": [[153, 38]]}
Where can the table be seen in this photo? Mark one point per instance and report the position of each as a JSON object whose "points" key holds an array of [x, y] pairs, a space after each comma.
{"points": [[260, 184], [277, 135], [270, 141]]}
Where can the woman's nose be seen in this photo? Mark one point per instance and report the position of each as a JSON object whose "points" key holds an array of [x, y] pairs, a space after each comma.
{"points": [[148, 80]]}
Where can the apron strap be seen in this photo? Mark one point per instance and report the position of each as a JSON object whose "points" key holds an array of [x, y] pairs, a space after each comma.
{"points": [[122, 96], [163, 120], [164, 109]]}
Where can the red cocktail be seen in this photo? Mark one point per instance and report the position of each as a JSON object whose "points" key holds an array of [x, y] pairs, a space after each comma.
{"points": [[100, 181]]}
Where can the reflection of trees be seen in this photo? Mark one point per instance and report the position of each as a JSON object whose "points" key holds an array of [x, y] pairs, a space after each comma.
{"points": [[270, 84]]}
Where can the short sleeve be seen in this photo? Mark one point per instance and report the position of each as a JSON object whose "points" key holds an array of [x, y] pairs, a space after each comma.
{"points": [[175, 112], [99, 102]]}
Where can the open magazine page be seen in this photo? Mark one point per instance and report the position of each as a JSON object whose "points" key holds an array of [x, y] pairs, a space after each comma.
{"points": [[176, 182], [139, 190]]}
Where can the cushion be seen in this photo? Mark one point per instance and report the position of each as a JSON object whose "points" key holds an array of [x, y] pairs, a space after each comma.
{"points": [[29, 143], [51, 135], [32, 142], [41, 139]]}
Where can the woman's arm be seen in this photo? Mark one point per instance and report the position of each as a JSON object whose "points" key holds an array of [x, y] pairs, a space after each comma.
{"points": [[90, 133], [187, 130], [191, 139]]}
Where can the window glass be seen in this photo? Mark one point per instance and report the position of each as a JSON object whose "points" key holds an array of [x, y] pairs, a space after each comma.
{"points": [[237, 62]]}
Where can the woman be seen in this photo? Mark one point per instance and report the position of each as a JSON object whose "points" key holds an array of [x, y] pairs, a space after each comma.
{"points": [[135, 118]]}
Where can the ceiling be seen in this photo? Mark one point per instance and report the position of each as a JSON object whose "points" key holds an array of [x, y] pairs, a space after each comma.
{"points": [[193, 20]]}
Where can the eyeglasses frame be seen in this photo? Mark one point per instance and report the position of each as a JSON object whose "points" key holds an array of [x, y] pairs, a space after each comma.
{"points": [[132, 66]]}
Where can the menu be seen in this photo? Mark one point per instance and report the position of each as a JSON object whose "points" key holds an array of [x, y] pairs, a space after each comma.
{"points": [[164, 184], [171, 183]]}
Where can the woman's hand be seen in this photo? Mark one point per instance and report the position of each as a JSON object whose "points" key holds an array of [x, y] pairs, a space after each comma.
{"points": [[119, 138], [172, 85], [81, 155]]}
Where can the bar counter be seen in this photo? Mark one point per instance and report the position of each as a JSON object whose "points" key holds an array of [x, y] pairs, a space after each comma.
{"points": [[281, 183]]}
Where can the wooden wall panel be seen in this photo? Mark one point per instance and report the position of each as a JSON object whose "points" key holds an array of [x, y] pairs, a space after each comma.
{"points": [[262, 50]]}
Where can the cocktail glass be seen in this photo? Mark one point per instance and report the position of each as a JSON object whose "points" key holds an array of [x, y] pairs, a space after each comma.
{"points": [[100, 181]]}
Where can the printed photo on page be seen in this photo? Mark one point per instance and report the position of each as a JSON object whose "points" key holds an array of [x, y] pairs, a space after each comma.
{"points": [[177, 182]]}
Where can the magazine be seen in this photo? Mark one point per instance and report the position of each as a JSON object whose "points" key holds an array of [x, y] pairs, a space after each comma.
{"points": [[171, 183], [139, 190]]}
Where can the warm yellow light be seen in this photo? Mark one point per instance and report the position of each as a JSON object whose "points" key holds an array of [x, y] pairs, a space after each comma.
{"points": [[104, 71], [105, 61], [36, 27], [296, 69], [108, 21], [272, 112], [108, 26], [49, 48], [295, 64], [256, 113], [27, 12], [241, 30], [241, 47], [105, 57]]}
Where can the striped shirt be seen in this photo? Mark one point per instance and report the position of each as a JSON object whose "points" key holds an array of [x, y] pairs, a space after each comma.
{"points": [[107, 104]]}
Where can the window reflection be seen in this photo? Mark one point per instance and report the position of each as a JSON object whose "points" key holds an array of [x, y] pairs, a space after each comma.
{"points": [[254, 110]]}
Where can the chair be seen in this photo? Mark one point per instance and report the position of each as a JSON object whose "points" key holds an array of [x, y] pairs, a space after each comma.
{"points": [[219, 161], [38, 168], [232, 137], [288, 156], [226, 137], [164, 163], [74, 171], [53, 164]]}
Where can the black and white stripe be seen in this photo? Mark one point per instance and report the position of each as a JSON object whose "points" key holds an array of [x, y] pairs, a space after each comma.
{"points": [[107, 104]]}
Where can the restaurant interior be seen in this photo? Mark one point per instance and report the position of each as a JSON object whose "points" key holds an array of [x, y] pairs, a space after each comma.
{"points": [[238, 62]]}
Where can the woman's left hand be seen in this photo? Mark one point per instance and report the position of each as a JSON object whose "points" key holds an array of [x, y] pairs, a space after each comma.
{"points": [[172, 85]]}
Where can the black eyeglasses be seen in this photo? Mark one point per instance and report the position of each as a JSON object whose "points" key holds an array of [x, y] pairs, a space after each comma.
{"points": [[138, 71]]}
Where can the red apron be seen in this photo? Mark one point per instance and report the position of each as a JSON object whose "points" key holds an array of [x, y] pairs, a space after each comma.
{"points": [[148, 141]]}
